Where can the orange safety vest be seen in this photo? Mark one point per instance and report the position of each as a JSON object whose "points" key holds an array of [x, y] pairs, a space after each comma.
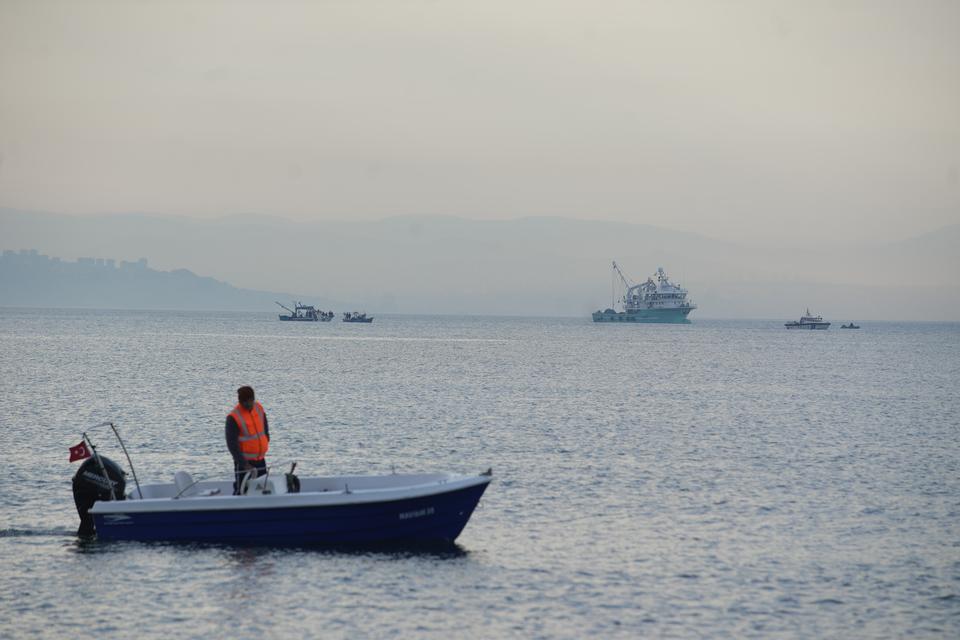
{"points": [[252, 437]]}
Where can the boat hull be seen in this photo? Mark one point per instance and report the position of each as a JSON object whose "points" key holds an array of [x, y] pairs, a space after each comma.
{"points": [[666, 316], [430, 519], [808, 325]]}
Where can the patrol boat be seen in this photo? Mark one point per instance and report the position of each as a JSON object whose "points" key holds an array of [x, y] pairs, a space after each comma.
{"points": [[651, 301], [276, 509], [305, 313], [808, 321]]}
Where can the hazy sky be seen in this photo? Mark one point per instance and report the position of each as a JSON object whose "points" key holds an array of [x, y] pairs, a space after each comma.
{"points": [[791, 122]]}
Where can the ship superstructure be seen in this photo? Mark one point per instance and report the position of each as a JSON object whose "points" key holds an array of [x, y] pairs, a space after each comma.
{"points": [[656, 300]]}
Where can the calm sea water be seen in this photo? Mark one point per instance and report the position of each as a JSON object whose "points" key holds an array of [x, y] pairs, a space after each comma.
{"points": [[722, 479]]}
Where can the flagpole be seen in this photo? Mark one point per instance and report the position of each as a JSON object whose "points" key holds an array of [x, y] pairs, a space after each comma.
{"points": [[103, 470]]}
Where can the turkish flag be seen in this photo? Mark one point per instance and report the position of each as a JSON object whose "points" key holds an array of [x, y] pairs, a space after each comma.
{"points": [[79, 452]]}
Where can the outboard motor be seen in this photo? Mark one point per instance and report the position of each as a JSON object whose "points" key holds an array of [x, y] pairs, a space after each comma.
{"points": [[89, 485]]}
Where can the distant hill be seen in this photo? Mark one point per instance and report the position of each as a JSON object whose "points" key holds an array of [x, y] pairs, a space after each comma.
{"points": [[31, 279], [528, 266]]}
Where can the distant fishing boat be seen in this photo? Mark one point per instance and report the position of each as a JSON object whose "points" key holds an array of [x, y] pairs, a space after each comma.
{"points": [[850, 326], [809, 321], [305, 313], [660, 301], [356, 316]]}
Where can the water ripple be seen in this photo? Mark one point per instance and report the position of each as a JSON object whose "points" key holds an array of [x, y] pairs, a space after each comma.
{"points": [[722, 479]]}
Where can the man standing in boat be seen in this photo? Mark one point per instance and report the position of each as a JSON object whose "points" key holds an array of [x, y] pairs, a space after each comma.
{"points": [[248, 436]]}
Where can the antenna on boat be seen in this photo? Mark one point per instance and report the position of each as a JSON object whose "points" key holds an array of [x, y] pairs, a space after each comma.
{"points": [[129, 461]]}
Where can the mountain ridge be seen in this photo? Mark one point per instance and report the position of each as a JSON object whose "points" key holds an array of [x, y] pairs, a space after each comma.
{"points": [[537, 265], [29, 278]]}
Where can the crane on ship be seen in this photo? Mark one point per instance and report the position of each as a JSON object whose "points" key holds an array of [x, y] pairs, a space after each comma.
{"points": [[627, 285]]}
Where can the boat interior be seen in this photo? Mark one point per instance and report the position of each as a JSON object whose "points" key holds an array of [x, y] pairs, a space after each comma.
{"points": [[184, 485]]}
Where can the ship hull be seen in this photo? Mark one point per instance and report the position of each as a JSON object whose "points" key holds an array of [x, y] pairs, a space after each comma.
{"points": [[645, 316], [294, 319], [808, 325], [430, 515]]}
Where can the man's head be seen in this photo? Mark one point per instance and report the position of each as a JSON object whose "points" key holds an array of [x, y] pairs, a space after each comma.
{"points": [[245, 397]]}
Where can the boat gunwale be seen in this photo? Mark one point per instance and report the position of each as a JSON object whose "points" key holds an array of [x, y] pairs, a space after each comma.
{"points": [[301, 500]]}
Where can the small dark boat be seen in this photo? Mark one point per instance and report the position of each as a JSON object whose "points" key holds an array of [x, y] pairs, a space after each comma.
{"points": [[355, 316], [850, 326]]}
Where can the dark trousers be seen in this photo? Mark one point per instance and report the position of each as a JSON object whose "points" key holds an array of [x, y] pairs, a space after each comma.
{"points": [[259, 469]]}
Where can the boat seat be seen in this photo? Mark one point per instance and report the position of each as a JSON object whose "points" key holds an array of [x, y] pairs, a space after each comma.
{"points": [[186, 487], [265, 485], [185, 484]]}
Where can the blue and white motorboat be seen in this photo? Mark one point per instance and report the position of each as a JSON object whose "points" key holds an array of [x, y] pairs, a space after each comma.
{"points": [[278, 508], [400, 508]]}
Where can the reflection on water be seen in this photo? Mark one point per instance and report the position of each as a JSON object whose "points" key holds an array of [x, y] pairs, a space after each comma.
{"points": [[251, 554]]}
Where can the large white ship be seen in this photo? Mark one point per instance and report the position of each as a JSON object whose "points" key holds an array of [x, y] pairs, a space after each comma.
{"points": [[809, 321], [652, 301]]}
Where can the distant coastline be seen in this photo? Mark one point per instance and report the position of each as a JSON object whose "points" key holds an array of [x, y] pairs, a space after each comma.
{"points": [[29, 278]]}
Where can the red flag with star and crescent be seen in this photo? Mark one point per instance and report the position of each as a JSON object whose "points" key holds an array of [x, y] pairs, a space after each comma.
{"points": [[79, 452]]}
